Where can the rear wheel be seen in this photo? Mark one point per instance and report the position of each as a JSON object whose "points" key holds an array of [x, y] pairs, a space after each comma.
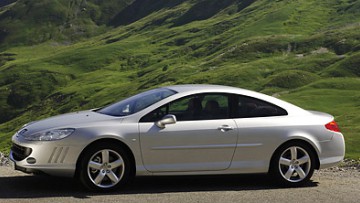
{"points": [[293, 164], [104, 167]]}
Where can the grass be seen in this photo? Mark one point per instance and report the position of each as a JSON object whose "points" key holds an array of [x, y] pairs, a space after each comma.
{"points": [[339, 97], [306, 52]]}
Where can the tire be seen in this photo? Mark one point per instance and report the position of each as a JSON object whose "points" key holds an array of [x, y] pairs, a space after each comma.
{"points": [[293, 164], [104, 167]]}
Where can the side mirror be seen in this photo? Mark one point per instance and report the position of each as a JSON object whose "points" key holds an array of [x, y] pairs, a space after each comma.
{"points": [[168, 119]]}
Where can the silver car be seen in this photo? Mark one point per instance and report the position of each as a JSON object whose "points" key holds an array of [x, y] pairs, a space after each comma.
{"points": [[181, 130]]}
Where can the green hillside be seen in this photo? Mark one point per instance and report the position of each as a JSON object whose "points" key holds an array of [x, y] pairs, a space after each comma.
{"points": [[29, 22], [303, 51]]}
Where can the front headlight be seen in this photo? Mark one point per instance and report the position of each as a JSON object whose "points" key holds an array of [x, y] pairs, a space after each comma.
{"points": [[50, 135]]}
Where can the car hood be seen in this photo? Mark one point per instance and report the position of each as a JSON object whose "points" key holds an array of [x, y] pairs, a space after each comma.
{"points": [[70, 120]]}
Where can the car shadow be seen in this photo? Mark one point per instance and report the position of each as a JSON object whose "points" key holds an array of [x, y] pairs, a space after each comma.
{"points": [[47, 186]]}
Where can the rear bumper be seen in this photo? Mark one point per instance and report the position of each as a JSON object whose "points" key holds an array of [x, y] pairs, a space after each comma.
{"points": [[332, 152]]}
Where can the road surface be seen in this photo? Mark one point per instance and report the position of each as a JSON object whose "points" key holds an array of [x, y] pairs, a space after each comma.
{"points": [[326, 186]]}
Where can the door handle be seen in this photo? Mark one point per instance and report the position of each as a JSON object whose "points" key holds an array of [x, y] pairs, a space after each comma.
{"points": [[225, 128]]}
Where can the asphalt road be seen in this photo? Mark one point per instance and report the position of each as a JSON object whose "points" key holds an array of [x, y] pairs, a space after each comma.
{"points": [[326, 186]]}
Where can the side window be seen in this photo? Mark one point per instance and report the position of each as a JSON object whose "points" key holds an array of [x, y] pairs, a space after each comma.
{"points": [[195, 107], [188, 108], [248, 107], [155, 115], [215, 107]]}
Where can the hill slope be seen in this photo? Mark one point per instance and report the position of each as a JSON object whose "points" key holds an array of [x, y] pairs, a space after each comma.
{"points": [[303, 51], [28, 22]]}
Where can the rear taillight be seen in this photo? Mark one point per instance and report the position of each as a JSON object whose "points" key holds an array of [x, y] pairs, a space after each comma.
{"points": [[332, 126]]}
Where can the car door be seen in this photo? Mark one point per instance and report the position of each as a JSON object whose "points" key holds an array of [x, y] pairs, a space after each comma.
{"points": [[261, 126], [202, 139]]}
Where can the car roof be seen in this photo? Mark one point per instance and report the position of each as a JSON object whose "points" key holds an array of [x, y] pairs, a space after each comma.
{"points": [[203, 87]]}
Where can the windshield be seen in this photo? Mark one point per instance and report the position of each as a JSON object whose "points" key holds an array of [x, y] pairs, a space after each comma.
{"points": [[136, 103]]}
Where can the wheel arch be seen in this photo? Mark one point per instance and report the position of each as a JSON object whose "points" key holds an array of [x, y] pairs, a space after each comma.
{"points": [[296, 141], [126, 148]]}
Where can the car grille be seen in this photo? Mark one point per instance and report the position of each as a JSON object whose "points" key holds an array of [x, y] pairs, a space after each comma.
{"points": [[19, 153]]}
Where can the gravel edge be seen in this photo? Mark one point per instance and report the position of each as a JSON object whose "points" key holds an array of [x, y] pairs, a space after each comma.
{"points": [[345, 165], [4, 160]]}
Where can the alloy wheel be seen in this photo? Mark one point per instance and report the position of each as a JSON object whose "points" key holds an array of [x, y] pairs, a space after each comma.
{"points": [[106, 168], [294, 164]]}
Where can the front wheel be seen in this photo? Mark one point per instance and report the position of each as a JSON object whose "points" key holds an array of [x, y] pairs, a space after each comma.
{"points": [[104, 167], [293, 164]]}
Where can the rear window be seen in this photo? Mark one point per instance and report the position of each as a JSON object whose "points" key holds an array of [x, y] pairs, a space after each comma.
{"points": [[248, 107]]}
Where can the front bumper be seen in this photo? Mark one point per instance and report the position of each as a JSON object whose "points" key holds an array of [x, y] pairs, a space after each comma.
{"points": [[53, 157]]}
